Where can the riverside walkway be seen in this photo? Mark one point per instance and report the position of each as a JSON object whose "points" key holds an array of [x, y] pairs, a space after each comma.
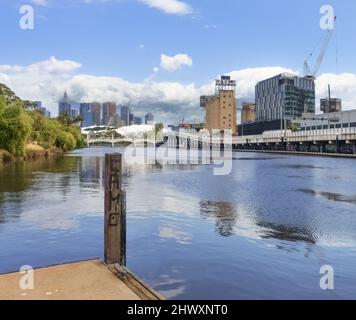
{"points": [[86, 280]]}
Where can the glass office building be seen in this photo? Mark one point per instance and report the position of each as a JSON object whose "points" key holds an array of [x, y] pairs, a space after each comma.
{"points": [[285, 96], [85, 111]]}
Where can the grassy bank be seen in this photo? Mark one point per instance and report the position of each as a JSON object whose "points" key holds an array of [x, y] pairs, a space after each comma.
{"points": [[33, 152]]}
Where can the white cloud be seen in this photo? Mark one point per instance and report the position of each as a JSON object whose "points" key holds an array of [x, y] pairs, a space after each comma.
{"points": [[176, 62], [342, 86], [247, 78], [170, 6], [47, 80], [50, 67], [181, 237], [169, 101]]}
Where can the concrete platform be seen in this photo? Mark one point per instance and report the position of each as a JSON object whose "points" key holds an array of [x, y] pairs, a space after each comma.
{"points": [[87, 280]]}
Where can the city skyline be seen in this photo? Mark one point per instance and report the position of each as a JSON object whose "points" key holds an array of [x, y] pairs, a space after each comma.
{"points": [[167, 73], [99, 114]]}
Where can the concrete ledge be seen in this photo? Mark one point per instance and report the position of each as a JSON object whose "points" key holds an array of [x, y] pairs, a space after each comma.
{"points": [[86, 280]]}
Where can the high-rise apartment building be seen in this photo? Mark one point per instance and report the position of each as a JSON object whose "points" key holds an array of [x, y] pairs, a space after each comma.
{"points": [[221, 108], [95, 108], [285, 96], [109, 110]]}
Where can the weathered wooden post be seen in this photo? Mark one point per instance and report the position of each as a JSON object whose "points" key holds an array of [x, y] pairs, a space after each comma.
{"points": [[115, 212]]}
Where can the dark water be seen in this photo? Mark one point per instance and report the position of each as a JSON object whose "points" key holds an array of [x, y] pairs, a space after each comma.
{"points": [[264, 231]]}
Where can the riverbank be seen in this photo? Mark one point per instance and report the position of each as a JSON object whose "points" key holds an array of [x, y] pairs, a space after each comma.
{"points": [[33, 152]]}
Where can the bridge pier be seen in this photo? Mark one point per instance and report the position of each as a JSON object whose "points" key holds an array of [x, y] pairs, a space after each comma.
{"points": [[321, 148], [337, 145]]}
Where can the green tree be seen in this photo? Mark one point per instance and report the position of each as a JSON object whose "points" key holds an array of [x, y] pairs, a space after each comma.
{"points": [[66, 119], [76, 133], [66, 141], [49, 133], [15, 127]]}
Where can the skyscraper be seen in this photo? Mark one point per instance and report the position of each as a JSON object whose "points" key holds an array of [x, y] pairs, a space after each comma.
{"points": [[85, 112], [131, 119], [149, 119], [64, 105], [137, 120], [125, 115], [37, 105], [95, 108], [109, 110]]}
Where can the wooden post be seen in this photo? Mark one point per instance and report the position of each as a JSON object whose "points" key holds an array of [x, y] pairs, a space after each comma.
{"points": [[115, 212]]}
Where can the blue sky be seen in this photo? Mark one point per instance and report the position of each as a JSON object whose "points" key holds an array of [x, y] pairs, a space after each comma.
{"points": [[125, 38]]}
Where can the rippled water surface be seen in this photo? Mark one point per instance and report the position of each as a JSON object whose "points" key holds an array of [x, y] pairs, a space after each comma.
{"points": [[263, 231]]}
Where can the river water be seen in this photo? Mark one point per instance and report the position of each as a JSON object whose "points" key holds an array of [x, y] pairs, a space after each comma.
{"points": [[261, 232]]}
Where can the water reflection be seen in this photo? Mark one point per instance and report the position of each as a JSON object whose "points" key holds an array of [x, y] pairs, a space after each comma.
{"points": [[228, 222], [285, 233], [265, 219], [43, 193], [331, 196], [224, 213]]}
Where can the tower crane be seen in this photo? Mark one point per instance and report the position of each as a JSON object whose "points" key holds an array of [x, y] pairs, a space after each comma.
{"points": [[313, 72]]}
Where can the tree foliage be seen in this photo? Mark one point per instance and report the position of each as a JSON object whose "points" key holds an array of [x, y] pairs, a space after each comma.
{"points": [[19, 127], [15, 127], [65, 141]]}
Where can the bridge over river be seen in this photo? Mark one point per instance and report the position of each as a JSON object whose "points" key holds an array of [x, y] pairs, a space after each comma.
{"points": [[342, 140]]}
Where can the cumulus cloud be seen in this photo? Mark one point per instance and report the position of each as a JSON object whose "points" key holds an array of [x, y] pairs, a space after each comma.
{"points": [[247, 79], [176, 62], [342, 86], [169, 101], [176, 7], [47, 80]]}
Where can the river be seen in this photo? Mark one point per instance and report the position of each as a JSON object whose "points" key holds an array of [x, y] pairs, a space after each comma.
{"points": [[261, 232]]}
